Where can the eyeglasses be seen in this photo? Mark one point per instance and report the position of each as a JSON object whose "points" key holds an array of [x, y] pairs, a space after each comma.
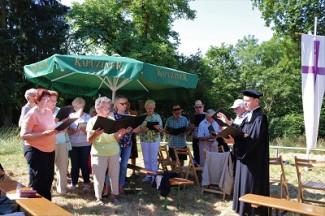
{"points": [[53, 101], [106, 108], [124, 104], [46, 100], [198, 107]]}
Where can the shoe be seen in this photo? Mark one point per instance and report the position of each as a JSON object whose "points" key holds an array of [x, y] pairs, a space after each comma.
{"points": [[73, 187], [99, 202], [147, 178], [105, 196], [115, 201], [86, 187]]}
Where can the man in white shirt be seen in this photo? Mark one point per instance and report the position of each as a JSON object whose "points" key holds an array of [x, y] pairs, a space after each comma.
{"points": [[207, 139], [240, 111]]}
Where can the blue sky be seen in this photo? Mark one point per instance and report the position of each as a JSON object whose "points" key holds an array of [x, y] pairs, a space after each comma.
{"points": [[217, 21]]}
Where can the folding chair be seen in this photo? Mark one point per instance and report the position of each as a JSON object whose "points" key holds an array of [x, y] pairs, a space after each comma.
{"points": [[210, 185], [164, 160], [275, 180], [304, 168], [190, 167]]}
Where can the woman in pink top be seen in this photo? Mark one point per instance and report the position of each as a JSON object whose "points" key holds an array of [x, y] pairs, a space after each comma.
{"points": [[38, 131]]}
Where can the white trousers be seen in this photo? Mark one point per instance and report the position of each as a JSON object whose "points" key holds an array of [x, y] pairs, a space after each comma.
{"points": [[99, 166], [61, 167], [150, 155]]}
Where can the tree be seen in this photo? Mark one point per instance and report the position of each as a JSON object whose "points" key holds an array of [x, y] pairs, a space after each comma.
{"points": [[135, 28], [292, 16], [29, 31]]}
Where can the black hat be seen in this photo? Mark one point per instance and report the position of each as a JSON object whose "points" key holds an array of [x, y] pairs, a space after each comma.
{"points": [[252, 93]]}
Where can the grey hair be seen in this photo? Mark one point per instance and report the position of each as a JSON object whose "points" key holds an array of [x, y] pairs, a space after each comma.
{"points": [[79, 101], [30, 92], [100, 100], [149, 102]]}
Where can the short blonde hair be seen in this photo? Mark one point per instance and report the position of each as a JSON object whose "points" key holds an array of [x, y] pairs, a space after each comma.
{"points": [[149, 102], [117, 98], [78, 101], [54, 93]]}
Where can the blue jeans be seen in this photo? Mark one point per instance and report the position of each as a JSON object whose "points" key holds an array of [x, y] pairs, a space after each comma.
{"points": [[124, 155], [79, 160]]}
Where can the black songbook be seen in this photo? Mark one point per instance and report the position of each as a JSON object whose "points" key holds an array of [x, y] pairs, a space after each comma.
{"points": [[176, 131], [112, 126], [196, 119], [212, 131], [219, 121], [151, 125], [65, 124], [64, 112], [234, 132]]}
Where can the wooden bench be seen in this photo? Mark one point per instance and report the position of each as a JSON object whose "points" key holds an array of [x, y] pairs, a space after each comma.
{"points": [[177, 182], [34, 206], [281, 204]]}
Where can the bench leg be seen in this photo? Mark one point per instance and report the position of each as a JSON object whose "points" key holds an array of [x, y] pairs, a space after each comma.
{"points": [[165, 203], [178, 198], [178, 194]]}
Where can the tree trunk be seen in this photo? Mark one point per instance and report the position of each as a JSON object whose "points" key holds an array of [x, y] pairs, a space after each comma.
{"points": [[3, 20]]}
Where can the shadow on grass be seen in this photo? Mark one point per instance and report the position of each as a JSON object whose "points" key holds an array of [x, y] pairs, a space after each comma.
{"points": [[293, 192]]}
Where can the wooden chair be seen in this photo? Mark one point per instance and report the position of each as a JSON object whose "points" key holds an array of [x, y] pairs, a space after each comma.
{"points": [[164, 160], [190, 167], [280, 181], [212, 188], [304, 168]]}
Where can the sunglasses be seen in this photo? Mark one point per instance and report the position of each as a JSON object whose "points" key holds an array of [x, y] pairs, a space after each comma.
{"points": [[177, 113], [124, 104]]}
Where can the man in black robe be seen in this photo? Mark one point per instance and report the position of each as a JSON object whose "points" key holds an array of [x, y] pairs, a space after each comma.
{"points": [[252, 155]]}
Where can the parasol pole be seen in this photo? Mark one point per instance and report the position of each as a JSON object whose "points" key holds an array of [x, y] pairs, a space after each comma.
{"points": [[113, 96]]}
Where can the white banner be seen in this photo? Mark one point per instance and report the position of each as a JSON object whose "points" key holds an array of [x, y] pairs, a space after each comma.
{"points": [[313, 84]]}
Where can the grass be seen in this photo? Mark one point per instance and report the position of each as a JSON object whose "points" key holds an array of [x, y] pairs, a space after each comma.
{"points": [[143, 199]]}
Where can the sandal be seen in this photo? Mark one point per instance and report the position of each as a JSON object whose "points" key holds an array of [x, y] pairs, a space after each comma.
{"points": [[99, 202]]}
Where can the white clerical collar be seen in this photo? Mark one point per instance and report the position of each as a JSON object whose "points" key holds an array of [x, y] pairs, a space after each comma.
{"points": [[249, 115]]}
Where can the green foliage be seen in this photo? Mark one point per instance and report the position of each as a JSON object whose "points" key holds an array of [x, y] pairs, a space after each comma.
{"points": [[9, 140], [135, 28], [290, 16], [29, 30], [291, 125]]}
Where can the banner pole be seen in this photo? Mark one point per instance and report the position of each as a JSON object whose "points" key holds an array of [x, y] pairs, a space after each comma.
{"points": [[315, 26]]}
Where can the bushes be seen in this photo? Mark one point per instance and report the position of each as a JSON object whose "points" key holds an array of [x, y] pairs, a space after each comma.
{"points": [[291, 125]]}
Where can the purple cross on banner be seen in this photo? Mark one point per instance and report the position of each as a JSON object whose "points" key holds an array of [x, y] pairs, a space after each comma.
{"points": [[315, 69], [313, 84]]}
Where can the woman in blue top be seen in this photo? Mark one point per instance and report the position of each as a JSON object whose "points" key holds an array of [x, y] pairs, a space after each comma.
{"points": [[80, 147]]}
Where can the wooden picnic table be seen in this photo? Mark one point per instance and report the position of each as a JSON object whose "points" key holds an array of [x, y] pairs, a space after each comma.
{"points": [[34, 206], [281, 204]]}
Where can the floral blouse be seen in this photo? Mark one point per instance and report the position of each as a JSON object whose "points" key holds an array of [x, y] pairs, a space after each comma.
{"points": [[151, 135], [126, 141]]}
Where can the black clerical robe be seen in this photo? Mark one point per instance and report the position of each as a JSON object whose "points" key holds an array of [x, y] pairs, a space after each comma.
{"points": [[252, 163]]}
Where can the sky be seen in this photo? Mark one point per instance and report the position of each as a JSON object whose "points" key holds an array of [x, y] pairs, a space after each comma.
{"points": [[217, 22]]}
